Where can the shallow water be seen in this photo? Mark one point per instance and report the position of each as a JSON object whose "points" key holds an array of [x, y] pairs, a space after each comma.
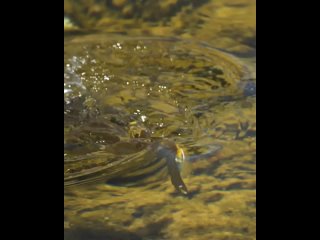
{"points": [[122, 94]]}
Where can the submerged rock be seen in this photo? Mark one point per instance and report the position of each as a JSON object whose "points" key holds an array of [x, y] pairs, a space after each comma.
{"points": [[131, 104]]}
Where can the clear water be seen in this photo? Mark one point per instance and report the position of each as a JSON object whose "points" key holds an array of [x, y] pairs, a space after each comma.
{"points": [[124, 94]]}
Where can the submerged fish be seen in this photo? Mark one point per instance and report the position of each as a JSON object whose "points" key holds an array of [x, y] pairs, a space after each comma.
{"points": [[139, 167]]}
